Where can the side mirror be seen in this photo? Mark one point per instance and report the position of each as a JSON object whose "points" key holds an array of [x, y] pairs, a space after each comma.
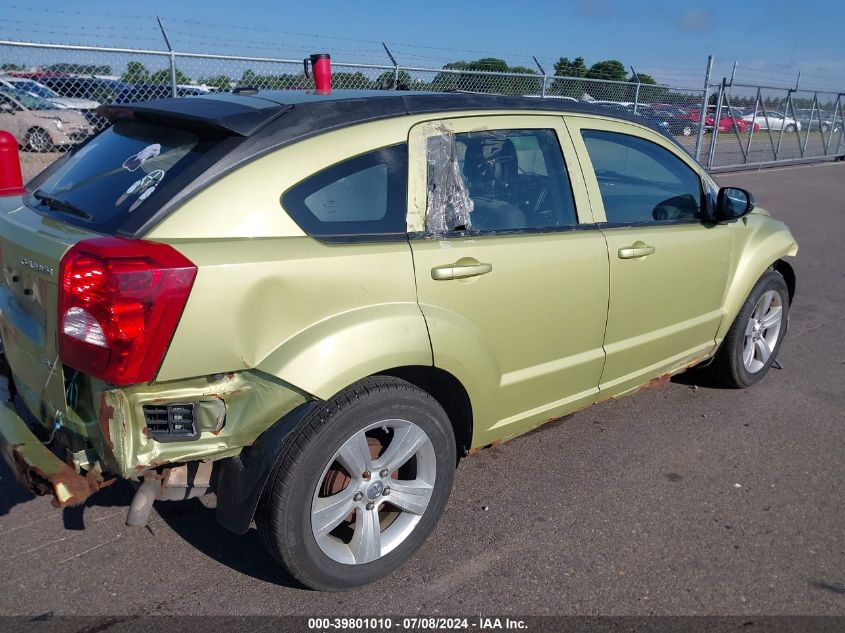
{"points": [[7, 107], [733, 203]]}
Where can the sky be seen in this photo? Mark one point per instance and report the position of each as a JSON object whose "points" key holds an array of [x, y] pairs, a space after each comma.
{"points": [[770, 39]]}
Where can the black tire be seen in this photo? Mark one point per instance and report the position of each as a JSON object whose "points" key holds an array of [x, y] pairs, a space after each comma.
{"points": [[790, 128], [727, 367], [38, 140], [284, 514]]}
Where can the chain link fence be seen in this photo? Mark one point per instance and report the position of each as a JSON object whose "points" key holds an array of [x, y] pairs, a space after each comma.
{"points": [[49, 94], [765, 125]]}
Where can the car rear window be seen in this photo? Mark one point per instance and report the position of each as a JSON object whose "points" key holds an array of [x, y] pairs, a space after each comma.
{"points": [[122, 176]]}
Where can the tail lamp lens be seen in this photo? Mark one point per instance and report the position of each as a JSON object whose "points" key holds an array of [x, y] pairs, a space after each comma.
{"points": [[119, 304]]}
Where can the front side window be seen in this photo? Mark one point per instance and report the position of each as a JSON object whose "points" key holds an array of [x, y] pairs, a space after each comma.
{"points": [[640, 181], [497, 180], [362, 197]]}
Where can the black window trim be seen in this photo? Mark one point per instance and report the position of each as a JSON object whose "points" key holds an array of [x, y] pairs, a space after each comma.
{"points": [[430, 235], [358, 238], [703, 199]]}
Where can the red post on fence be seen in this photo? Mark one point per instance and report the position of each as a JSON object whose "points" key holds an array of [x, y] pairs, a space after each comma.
{"points": [[11, 180]]}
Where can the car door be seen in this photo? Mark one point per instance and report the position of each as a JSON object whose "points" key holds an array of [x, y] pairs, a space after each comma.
{"points": [[512, 274], [668, 268], [11, 118]]}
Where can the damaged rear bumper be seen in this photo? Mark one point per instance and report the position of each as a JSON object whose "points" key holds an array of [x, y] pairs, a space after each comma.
{"points": [[37, 468]]}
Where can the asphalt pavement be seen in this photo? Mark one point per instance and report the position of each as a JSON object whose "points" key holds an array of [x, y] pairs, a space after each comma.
{"points": [[689, 499]]}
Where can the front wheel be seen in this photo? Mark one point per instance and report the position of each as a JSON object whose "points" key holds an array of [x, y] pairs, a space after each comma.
{"points": [[790, 128], [38, 140], [361, 485], [752, 343]]}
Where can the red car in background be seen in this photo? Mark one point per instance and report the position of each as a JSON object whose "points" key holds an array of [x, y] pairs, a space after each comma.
{"points": [[726, 122]]}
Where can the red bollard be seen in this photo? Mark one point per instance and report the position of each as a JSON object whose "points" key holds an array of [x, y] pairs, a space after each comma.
{"points": [[11, 180], [321, 65]]}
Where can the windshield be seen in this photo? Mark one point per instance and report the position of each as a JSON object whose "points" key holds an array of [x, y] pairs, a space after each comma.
{"points": [[29, 101], [34, 88], [111, 178]]}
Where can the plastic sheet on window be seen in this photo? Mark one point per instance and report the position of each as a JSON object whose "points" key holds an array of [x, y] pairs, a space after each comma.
{"points": [[448, 205]]}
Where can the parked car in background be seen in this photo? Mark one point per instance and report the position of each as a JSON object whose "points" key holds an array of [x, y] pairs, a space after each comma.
{"points": [[624, 106], [40, 90], [427, 301], [187, 90], [39, 125], [726, 122], [817, 119], [674, 123], [102, 90], [772, 121], [134, 93]]}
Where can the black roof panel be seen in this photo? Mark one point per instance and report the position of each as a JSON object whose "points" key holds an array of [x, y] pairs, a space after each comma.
{"points": [[246, 114]]}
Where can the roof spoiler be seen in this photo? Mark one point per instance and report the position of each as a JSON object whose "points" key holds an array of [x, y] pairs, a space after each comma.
{"points": [[228, 116]]}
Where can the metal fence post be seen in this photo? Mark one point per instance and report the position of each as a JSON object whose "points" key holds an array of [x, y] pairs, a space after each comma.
{"points": [[700, 136], [637, 91], [395, 66], [716, 118], [545, 78], [173, 90]]}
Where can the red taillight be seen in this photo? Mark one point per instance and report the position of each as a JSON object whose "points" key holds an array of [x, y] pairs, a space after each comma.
{"points": [[119, 303]]}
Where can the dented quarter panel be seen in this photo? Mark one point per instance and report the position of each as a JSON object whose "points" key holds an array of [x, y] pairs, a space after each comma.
{"points": [[253, 402]]}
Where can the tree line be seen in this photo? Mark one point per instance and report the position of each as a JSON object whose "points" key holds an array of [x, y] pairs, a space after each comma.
{"points": [[607, 80]]}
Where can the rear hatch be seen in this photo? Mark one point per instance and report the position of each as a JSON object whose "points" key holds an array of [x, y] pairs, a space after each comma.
{"points": [[112, 185], [31, 247]]}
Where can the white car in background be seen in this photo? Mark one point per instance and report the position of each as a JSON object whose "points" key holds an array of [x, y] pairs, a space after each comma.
{"points": [[36, 89], [773, 121]]}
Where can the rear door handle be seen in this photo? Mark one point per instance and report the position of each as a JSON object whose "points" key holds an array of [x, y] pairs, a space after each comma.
{"points": [[460, 270], [635, 250]]}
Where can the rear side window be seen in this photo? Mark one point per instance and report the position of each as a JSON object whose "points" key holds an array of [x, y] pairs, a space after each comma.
{"points": [[119, 177], [361, 198], [641, 182]]}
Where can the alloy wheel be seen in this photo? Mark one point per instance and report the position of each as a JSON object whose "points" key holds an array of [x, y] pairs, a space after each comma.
{"points": [[762, 331], [373, 492]]}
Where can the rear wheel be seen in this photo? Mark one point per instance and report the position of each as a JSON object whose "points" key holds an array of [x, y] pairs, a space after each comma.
{"points": [[790, 128], [361, 485], [752, 343], [38, 140]]}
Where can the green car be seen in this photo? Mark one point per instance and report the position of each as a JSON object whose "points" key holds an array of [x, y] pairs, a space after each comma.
{"points": [[314, 306]]}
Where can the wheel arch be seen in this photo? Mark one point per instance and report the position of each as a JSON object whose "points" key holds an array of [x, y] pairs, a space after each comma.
{"points": [[449, 393], [788, 273], [764, 250]]}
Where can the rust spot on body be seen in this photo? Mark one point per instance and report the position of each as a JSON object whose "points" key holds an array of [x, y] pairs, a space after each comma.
{"points": [[492, 444], [106, 415], [67, 486], [657, 383]]}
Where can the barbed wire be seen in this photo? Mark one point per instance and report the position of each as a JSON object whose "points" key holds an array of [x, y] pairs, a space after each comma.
{"points": [[144, 29]]}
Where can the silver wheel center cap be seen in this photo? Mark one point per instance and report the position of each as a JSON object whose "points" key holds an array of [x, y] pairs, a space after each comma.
{"points": [[375, 490]]}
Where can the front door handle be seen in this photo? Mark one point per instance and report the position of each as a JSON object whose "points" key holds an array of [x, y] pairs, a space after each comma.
{"points": [[461, 269], [635, 250]]}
